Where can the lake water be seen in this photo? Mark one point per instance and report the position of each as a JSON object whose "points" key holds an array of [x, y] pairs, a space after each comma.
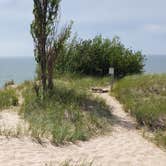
{"points": [[17, 69], [20, 69], [155, 64]]}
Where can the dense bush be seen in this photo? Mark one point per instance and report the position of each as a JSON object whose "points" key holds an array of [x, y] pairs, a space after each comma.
{"points": [[95, 56]]}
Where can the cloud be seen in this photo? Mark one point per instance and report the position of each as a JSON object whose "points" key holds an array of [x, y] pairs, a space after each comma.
{"points": [[15, 16], [140, 24], [136, 22], [156, 28]]}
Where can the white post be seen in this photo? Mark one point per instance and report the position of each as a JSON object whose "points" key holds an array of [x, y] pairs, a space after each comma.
{"points": [[111, 73]]}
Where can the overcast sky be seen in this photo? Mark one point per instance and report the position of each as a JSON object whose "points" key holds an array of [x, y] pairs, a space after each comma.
{"points": [[141, 24]]}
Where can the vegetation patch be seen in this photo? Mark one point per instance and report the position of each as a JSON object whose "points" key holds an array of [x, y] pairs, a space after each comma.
{"points": [[78, 163], [144, 97], [8, 97], [71, 163], [68, 113], [95, 57]]}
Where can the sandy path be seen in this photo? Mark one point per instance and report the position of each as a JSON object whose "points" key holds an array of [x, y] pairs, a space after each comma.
{"points": [[125, 146]]}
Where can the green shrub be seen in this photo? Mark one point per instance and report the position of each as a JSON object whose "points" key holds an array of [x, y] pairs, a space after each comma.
{"points": [[8, 98], [95, 56]]}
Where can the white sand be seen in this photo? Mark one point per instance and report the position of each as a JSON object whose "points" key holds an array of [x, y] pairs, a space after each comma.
{"points": [[9, 119], [123, 147]]}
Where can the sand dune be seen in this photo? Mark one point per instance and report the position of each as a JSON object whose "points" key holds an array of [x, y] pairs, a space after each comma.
{"points": [[123, 147]]}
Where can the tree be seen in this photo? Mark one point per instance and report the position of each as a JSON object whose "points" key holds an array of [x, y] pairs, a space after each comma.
{"points": [[95, 57], [47, 42]]}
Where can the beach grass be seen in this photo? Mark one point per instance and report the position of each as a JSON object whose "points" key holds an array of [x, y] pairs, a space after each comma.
{"points": [[144, 96], [79, 163], [8, 98], [69, 113]]}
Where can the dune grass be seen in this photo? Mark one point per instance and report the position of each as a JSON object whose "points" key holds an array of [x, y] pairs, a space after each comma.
{"points": [[69, 114], [70, 163], [82, 82], [144, 96], [8, 97], [79, 163]]}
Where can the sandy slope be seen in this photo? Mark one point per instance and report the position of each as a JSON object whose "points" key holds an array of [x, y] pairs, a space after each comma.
{"points": [[125, 146]]}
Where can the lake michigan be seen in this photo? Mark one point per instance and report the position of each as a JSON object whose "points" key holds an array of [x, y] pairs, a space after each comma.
{"points": [[23, 68]]}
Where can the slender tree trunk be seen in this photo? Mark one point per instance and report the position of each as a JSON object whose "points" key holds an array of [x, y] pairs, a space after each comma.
{"points": [[50, 81], [50, 66], [43, 74], [43, 48]]}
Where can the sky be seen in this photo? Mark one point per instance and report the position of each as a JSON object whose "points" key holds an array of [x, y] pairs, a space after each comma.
{"points": [[140, 24]]}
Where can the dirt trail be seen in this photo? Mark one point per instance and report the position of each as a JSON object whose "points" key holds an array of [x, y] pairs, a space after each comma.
{"points": [[124, 147]]}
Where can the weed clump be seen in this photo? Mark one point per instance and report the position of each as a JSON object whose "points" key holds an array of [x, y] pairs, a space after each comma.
{"points": [[8, 97]]}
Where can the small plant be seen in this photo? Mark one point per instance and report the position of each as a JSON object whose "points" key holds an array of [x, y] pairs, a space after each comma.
{"points": [[19, 131], [71, 163], [8, 97], [160, 138], [8, 83], [78, 163]]}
